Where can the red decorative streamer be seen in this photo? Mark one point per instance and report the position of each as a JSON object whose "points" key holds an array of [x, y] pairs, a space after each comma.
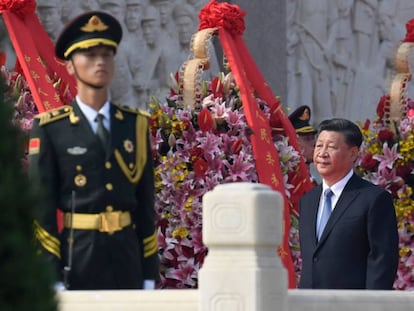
{"points": [[229, 20], [48, 80], [35, 57]]}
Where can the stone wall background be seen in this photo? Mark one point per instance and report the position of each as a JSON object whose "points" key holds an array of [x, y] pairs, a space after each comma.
{"points": [[334, 55], [341, 54]]}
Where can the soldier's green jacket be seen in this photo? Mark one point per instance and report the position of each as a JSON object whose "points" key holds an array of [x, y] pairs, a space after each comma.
{"points": [[65, 156]]}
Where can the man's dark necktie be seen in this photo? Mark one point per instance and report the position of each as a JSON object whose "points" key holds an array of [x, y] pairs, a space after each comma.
{"points": [[101, 131], [326, 213]]}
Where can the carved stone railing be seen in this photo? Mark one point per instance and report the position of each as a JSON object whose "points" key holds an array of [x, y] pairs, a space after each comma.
{"points": [[242, 224]]}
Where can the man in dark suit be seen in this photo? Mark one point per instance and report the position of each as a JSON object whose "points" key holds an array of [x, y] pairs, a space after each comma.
{"points": [[357, 248], [94, 160]]}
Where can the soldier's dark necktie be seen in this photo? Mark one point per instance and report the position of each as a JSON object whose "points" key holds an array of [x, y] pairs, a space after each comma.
{"points": [[101, 131], [326, 212]]}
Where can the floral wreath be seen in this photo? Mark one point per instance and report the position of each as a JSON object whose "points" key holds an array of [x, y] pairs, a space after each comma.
{"points": [[387, 156]]}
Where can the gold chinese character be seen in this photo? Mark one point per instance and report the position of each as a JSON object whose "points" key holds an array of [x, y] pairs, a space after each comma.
{"points": [[264, 136], [34, 75], [274, 180], [281, 251], [48, 78], [269, 159], [46, 104], [260, 116], [41, 62], [41, 92], [56, 97]]}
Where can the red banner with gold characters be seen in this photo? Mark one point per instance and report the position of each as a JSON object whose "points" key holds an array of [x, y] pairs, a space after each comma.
{"points": [[49, 82], [229, 20], [47, 77]]}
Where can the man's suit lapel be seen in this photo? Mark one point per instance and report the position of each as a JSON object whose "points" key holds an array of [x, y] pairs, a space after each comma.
{"points": [[313, 206]]}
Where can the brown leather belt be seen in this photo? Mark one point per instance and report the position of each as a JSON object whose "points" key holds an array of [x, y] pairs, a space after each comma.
{"points": [[104, 222]]}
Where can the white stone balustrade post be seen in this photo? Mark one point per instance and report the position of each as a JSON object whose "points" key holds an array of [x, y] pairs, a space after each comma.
{"points": [[242, 226]]}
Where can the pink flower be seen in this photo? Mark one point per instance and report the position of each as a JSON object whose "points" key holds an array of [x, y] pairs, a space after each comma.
{"points": [[390, 156], [185, 273], [203, 157], [395, 174]]}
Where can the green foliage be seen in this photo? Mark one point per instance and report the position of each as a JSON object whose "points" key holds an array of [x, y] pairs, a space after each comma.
{"points": [[26, 281]]}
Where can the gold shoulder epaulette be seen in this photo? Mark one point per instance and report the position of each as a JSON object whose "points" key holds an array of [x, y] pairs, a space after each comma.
{"points": [[144, 113], [54, 115], [134, 110]]}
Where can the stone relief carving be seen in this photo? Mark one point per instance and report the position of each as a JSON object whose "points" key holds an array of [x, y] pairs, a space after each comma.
{"points": [[49, 12], [312, 59], [341, 54], [156, 38]]}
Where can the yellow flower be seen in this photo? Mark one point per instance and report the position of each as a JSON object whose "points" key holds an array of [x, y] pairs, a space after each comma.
{"points": [[180, 232], [404, 251], [189, 203]]}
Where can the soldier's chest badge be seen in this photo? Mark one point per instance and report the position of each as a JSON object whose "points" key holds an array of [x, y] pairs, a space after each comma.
{"points": [[77, 150], [128, 146]]}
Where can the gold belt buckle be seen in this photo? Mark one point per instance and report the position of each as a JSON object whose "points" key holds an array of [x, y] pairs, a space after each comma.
{"points": [[110, 222]]}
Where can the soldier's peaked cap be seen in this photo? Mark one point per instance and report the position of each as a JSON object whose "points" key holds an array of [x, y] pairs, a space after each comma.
{"points": [[300, 120], [86, 31]]}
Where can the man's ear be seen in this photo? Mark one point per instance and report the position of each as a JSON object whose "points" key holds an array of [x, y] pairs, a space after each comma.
{"points": [[355, 153]]}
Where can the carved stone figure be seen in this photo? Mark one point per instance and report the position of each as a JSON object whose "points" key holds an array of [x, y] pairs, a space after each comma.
{"points": [[169, 39], [183, 16], [6, 46], [293, 72], [197, 4], [341, 44], [89, 5], [70, 9], [121, 87], [49, 12], [313, 61], [373, 80], [364, 24], [390, 32], [136, 49], [165, 7], [156, 70]]}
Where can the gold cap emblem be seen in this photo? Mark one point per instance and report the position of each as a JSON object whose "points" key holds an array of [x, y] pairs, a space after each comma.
{"points": [[94, 24]]}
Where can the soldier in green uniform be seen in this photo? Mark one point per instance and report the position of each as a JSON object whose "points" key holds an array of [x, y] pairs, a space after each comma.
{"points": [[94, 160]]}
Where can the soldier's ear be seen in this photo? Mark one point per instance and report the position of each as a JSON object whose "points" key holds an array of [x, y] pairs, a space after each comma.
{"points": [[69, 67]]}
